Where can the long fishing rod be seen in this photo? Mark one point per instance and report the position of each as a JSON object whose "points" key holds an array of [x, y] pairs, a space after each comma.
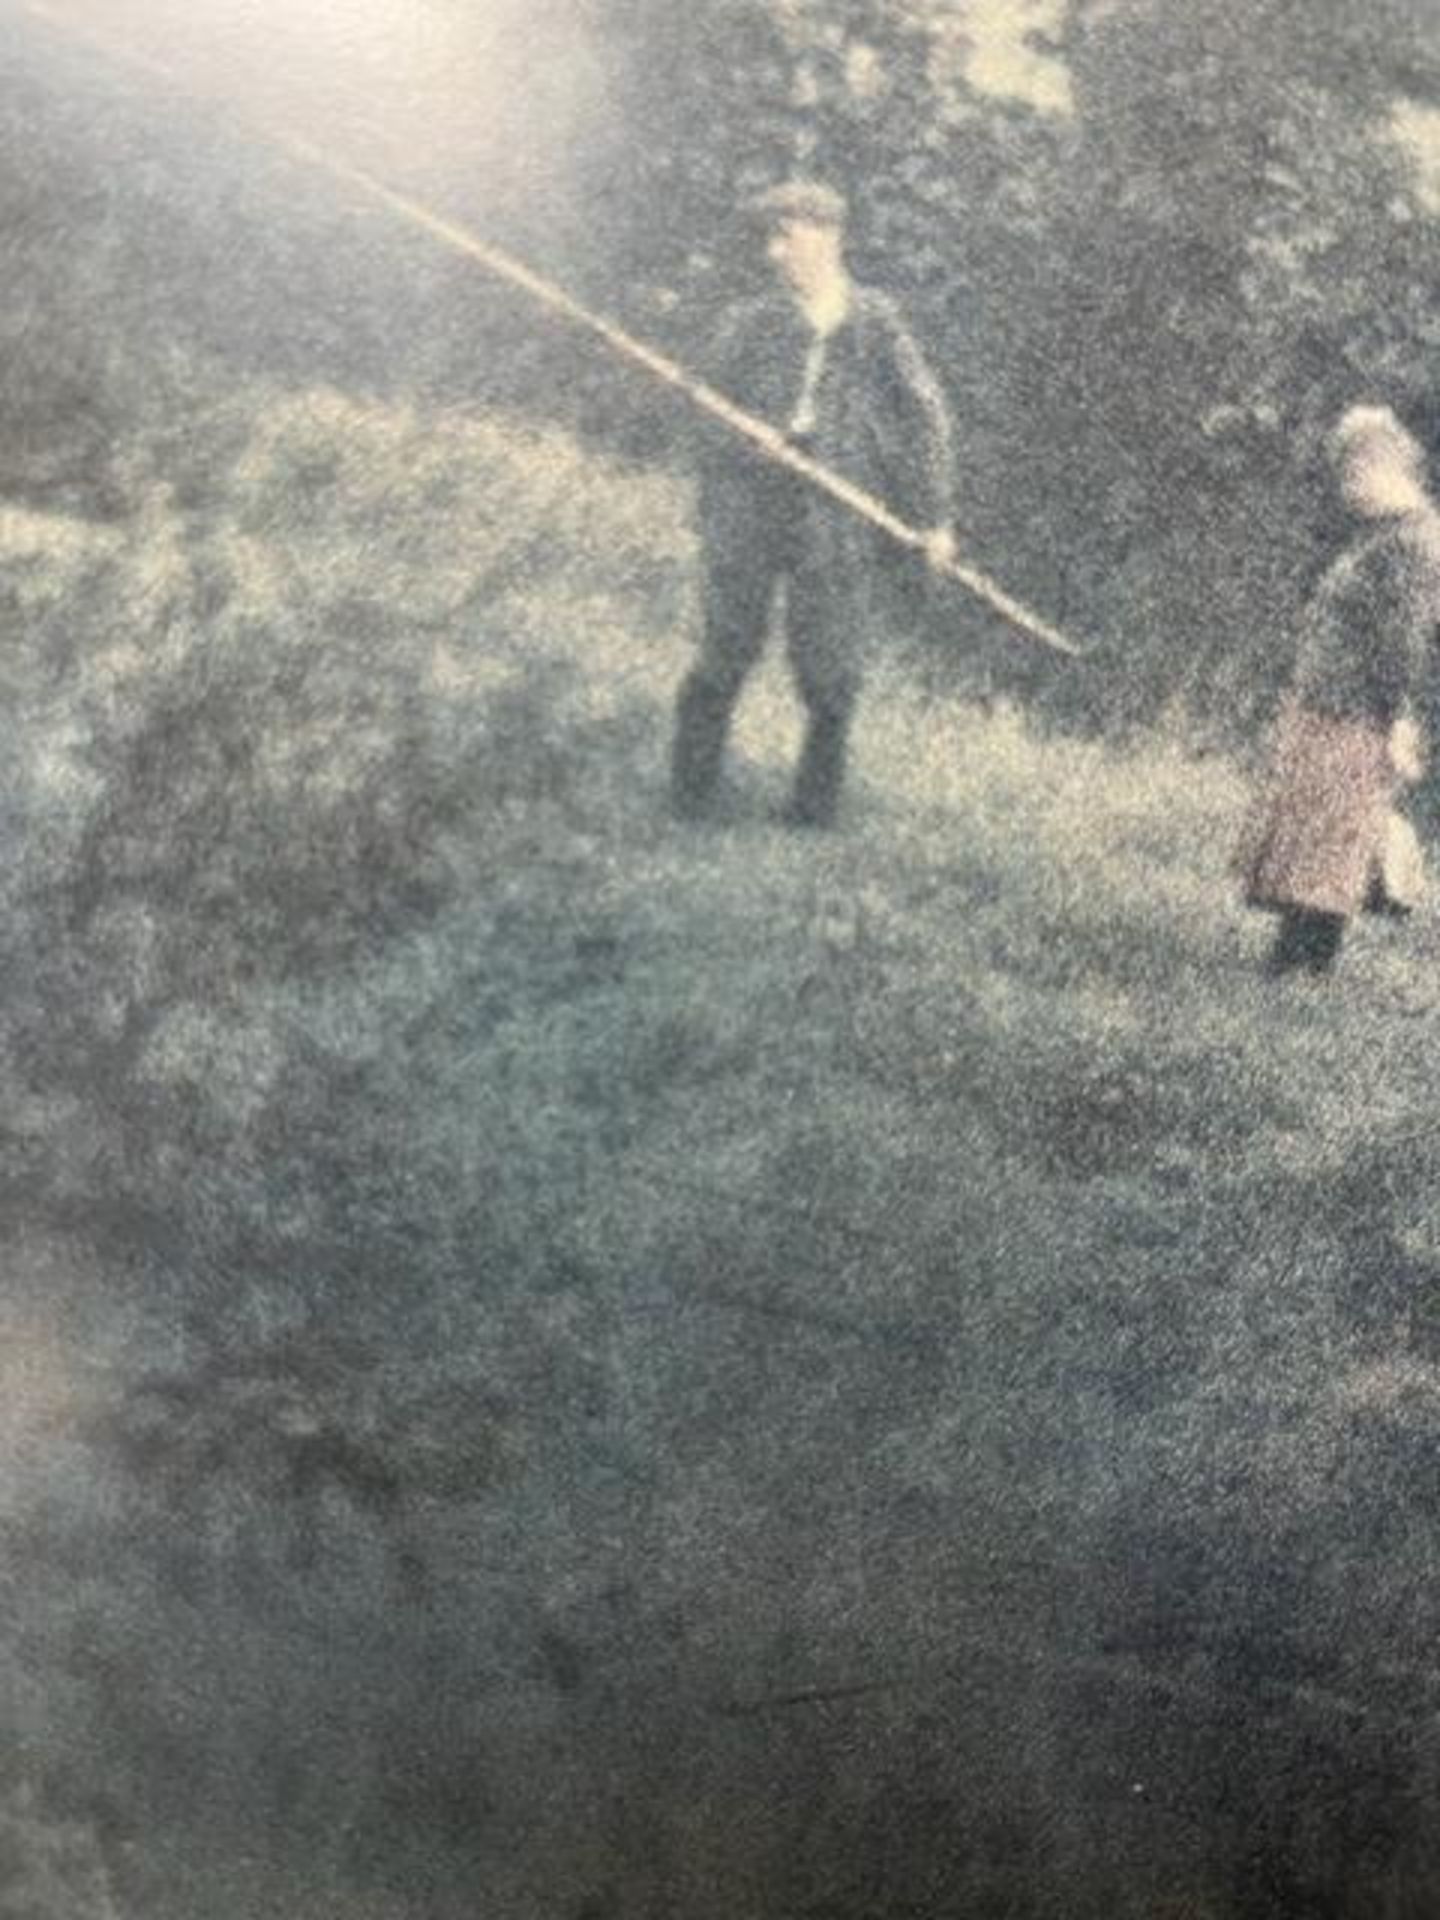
{"points": [[771, 443]]}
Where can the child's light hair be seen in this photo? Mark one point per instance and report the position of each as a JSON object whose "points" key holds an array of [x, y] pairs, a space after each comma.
{"points": [[1368, 426]]}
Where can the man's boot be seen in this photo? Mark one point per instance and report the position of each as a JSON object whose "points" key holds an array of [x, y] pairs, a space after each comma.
{"points": [[702, 721], [821, 772]]}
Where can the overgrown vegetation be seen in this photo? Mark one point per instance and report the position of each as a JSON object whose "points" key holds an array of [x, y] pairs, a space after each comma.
{"points": [[568, 1267]]}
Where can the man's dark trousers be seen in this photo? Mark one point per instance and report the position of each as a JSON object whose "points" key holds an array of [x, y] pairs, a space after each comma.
{"points": [[770, 537]]}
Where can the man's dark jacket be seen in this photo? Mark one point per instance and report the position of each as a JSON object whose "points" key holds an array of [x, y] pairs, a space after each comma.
{"points": [[880, 420]]}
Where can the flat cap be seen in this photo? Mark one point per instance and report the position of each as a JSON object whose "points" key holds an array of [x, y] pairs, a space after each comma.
{"points": [[809, 200]]}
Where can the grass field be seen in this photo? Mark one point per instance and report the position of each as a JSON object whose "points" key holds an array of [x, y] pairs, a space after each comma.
{"points": [[555, 1358]]}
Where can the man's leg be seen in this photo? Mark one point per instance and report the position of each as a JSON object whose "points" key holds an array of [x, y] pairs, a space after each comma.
{"points": [[820, 775], [738, 592], [825, 654]]}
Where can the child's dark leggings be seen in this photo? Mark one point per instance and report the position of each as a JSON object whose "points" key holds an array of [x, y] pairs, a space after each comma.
{"points": [[1307, 939]]}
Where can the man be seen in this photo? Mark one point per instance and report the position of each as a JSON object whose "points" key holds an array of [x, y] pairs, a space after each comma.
{"points": [[830, 364]]}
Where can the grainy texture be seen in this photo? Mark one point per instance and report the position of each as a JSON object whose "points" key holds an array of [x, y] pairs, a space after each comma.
{"points": [[558, 1367]]}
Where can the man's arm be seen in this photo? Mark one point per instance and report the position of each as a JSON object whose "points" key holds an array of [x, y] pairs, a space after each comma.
{"points": [[727, 346], [721, 360], [926, 437]]}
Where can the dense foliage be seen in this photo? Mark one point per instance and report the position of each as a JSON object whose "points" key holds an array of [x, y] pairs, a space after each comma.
{"points": [[1154, 247]]}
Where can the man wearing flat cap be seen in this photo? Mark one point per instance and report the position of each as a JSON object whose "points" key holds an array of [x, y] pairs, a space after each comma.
{"points": [[831, 365]]}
